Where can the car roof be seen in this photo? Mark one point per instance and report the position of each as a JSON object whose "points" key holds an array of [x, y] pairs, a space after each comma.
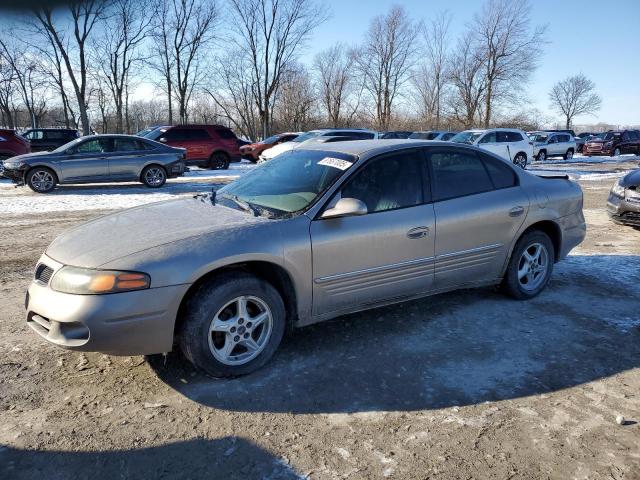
{"points": [[360, 147]]}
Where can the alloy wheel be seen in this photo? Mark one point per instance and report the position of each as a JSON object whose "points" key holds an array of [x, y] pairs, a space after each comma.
{"points": [[240, 330], [154, 177], [42, 181], [533, 266], [520, 160], [569, 155], [616, 152], [542, 157]]}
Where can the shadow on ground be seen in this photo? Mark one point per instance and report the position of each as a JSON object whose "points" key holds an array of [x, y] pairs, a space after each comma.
{"points": [[227, 458], [459, 348]]}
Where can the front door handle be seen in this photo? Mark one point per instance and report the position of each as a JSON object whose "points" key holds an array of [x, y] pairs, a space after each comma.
{"points": [[418, 232], [516, 211]]}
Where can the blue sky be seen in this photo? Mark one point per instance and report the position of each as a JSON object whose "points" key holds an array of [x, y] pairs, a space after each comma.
{"points": [[599, 39]]}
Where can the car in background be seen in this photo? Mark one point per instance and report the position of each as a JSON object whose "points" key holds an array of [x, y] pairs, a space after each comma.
{"points": [[511, 144], [47, 139], [551, 144], [12, 144], [252, 151], [614, 143], [96, 159], [581, 139], [432, 135], [207, 146], [326, 230], [355, 133], [395, 135], [148, 130], [623, 205]]}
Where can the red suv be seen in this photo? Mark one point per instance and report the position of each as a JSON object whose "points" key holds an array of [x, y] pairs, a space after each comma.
{"points": [[209, 146], [12, 144]]}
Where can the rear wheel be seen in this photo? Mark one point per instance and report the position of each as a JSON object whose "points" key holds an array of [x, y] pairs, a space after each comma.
{"points": [[41, 179], [520, 160], [530, 266], [616, 152], [233, 325], [219, 161], [542, 156], [154, 176], [569, 154]]}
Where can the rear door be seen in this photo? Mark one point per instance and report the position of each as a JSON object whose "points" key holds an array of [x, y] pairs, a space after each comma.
{"points": [[491, 143], [87, 161], [127, 159], [194, 140], [385, 254], [479, 206]]}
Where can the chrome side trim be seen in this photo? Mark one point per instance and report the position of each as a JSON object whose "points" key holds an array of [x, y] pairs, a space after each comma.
{"points": [[383, 269], [471, 250]]}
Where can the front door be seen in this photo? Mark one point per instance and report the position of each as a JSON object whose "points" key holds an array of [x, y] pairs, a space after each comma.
{"points": [[87, 161], [490, 143], [385, 254], [479, 207]]}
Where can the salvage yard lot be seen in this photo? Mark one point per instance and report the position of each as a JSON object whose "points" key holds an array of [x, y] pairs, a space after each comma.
{"points": [[463, 385]]}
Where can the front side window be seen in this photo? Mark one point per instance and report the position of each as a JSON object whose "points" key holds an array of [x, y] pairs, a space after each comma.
{"points": [[291, 181], [466, 137], [98, 145], [490, 137], [458, 174], [34, 135], [388, 183], [175, 135]]}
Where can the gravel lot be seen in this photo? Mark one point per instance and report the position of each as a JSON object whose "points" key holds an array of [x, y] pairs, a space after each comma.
{"points": [[462, 385]]}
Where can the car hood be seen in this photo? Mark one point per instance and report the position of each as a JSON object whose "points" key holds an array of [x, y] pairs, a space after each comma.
{"points": [[599, 140], [631, 179], [278, 149], [141, 228]]}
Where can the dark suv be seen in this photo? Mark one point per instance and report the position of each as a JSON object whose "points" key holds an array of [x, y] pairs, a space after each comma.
{"points": [[209, 146], [47, 139], [12, 144], [614, 143]]}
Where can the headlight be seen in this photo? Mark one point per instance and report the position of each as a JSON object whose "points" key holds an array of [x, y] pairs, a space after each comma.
{"points": [[84, 281], [13, 165], [618, 190]]}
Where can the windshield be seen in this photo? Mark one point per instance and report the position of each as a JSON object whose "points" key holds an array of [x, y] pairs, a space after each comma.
{"points": [[271, 139], [68, 145], [466, 137], [306, 136], [291, 181], [539, 137], [612, 135]]}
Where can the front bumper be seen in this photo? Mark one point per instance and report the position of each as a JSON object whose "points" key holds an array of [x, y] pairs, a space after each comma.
{"points": [[597, 150], [624, 211], [132, 323], [16, 175]]}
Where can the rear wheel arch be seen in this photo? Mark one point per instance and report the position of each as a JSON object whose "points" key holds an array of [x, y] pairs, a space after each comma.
{"points": [[552, 230], [272, 273]]}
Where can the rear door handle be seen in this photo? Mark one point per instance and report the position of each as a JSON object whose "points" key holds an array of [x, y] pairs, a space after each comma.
{"points": [[516, 211], [418, 232]]}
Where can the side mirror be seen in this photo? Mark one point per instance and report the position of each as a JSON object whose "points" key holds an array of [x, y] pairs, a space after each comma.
{"points": [[162, 140], [346, 207]]}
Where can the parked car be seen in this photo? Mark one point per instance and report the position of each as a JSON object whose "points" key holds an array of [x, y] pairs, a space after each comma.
{"points": [[623, 205], [581, 139], [47, 139], [148, 130], [432, 135], [12, 144], [614, 143], [98, 158], [511, 144], [326, 230], [208, 146], [252, 151], [395, 135], [551, 144]]}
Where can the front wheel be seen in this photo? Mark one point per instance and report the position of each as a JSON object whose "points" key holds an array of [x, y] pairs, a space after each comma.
{"points": [[542, 156], [520, 160], [154, 176], [568, 155], [219, 161], [530, 266], [617, 152], [233, 325], [41, 180]]}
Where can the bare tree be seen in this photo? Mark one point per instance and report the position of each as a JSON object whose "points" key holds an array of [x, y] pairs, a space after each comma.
{"points": [[469, 84], [432, 75], [161, 58], [7, 92], [333, 68], [385, 60], [295, 99], [271, 33], [510, 49], [124, 29], [575, 96], [73, 46]]}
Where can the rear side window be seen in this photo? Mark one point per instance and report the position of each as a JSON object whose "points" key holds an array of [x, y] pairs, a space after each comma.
{"points": [[225, 133], [126, 145], [502, 175], [197, 134], [458, 173], [633, 134], [514, 137]]}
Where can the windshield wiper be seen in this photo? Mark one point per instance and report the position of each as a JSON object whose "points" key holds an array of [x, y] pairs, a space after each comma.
{"points": [[246, 206]]}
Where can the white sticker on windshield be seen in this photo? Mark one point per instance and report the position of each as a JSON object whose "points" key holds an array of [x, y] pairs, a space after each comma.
{"points": [[335, 162]]}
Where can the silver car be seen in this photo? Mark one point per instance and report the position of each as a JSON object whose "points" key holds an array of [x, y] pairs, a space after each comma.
{"points": [[552, 144], [316, 233], [95, 159]]}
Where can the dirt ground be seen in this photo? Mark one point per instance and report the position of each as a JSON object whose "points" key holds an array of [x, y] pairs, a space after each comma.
{"points": [[464, 385]]}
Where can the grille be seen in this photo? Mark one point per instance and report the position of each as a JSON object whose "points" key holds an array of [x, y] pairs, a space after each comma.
{"points": [[43, 273]]}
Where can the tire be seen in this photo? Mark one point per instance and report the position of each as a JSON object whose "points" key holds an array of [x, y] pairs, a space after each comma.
{"points": [[542, 155], [215, 305], [568, 155], [532, 286], [520, 160], [219, 161], [617, 152], [153, 176], [41, 179]]}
